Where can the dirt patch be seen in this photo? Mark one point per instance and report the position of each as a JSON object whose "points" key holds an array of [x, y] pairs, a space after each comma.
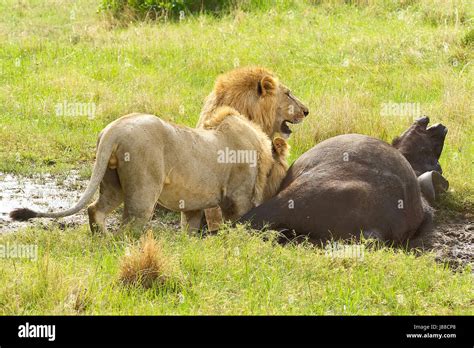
{"points": [[452, 241]]}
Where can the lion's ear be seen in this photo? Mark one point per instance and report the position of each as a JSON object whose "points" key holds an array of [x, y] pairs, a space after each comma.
{"points": [[266, 85]]}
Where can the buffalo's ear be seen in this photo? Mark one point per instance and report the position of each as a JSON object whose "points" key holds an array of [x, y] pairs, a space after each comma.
{"points": [[267, 85], [422, 122], [432, 184]]}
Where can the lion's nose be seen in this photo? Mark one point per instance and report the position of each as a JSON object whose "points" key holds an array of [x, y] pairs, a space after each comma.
{"points": [[305, 112]]}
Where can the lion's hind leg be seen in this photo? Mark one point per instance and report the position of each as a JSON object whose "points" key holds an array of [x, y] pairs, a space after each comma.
{"points": [[139, 206], [110, 197]]}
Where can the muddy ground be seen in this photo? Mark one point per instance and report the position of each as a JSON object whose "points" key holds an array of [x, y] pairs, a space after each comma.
{"points": [[452, 241], [47, 193]]}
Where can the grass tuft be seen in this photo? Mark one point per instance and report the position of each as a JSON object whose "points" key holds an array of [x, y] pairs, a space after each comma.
{"points": [[145, 264]]}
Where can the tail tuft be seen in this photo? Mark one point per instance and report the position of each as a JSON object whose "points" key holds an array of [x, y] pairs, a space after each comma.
{"points": [[22, 214]]}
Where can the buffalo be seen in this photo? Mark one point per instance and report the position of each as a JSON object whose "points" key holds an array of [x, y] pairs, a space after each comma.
{"points": [[354, 185]]}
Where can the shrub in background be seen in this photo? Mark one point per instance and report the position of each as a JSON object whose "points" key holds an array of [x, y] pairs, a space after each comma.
{"points": [[171, 9], [156, 9]]}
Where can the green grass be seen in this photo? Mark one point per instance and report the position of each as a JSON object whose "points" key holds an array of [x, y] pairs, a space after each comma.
{"points": [[343, 61], [235, 272]]}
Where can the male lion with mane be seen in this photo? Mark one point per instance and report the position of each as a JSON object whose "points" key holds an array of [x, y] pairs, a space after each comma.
{"points": [[143, 160], [257, 94]]}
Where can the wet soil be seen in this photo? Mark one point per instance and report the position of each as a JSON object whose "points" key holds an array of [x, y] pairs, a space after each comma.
{"points": [[47, 193], [452, 240], [42, 193]]}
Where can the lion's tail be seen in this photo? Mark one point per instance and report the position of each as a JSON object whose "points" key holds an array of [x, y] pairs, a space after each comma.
{"points": [[104, 151]]}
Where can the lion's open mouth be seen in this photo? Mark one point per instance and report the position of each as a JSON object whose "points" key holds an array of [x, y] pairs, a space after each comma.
{"points": [[285, 129]]}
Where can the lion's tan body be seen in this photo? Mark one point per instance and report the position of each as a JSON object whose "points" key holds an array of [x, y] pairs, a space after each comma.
{"points": [[143, 160], [178, 167]]}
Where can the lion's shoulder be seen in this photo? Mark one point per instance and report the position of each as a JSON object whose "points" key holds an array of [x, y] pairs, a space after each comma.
{"points": [[219, 115]]}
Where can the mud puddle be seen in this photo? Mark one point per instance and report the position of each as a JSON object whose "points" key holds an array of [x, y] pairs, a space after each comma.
{"points": [[40, 192], [48, 193], [452, 241]]}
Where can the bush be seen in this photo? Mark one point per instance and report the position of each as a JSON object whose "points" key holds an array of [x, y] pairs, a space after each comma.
{"points": [[154, 9], [141, 8], [164, 9]]}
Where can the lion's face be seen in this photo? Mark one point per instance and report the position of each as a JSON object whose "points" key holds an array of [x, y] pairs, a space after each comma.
{"points": [[289, 110]]}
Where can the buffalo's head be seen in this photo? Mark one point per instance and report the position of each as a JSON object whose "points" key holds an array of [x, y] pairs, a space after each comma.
{"points": [[422, 145]]}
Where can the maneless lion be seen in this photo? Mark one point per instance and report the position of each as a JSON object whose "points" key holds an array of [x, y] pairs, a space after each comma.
{"points": [[143, 160], [256, 93]]}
